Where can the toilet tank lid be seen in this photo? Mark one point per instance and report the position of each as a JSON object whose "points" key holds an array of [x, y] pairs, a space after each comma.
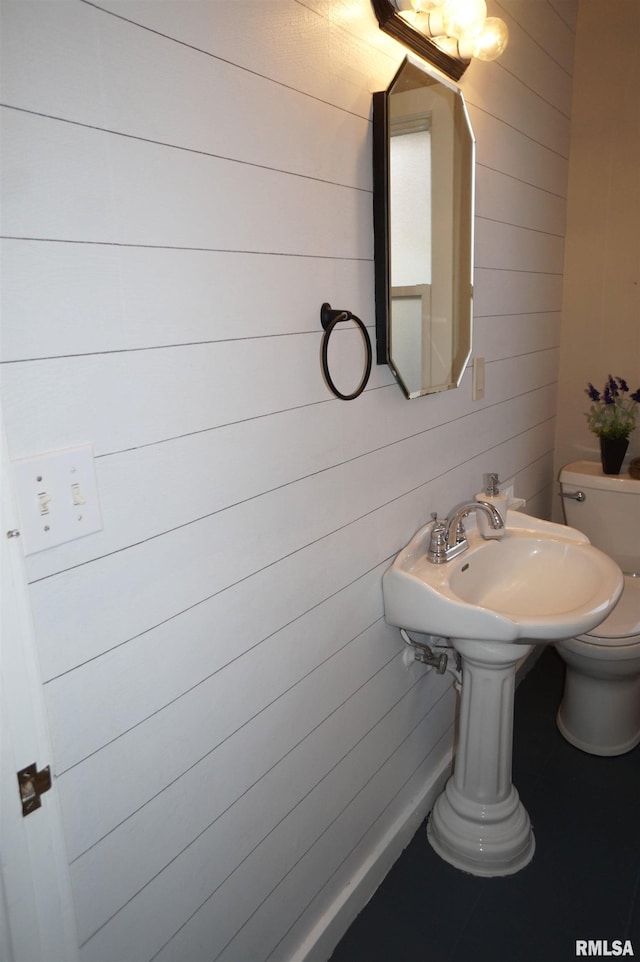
{"points": [[590, 474], [624, 620]]}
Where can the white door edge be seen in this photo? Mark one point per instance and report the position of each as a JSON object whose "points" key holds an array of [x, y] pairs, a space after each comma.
{"points": [[36, 907]]}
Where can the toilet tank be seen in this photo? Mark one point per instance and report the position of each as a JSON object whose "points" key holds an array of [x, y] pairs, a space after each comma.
{"points": [[610, 512]]}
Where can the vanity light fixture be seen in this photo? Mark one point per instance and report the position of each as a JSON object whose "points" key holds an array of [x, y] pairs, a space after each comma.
{"points": [[447, 33]]}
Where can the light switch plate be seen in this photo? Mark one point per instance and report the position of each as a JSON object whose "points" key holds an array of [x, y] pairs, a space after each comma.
{"points": [[57, 495], [477, 388]]}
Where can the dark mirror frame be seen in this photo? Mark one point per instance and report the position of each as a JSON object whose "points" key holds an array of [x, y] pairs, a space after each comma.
{"points": [[390, 21], [382, 225], [381, 222]]}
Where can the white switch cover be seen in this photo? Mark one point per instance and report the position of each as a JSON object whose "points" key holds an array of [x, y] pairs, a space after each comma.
{"points": [[477, 386], [57, 497]]}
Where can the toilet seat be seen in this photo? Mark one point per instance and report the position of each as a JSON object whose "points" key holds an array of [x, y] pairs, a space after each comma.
{"points": [[622, 627]]}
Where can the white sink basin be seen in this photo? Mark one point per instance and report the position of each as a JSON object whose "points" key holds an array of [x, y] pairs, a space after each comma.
{"points": [[541, 582]]}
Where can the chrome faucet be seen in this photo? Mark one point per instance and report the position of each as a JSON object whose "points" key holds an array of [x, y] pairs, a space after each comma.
{"points": [[448, 538]]}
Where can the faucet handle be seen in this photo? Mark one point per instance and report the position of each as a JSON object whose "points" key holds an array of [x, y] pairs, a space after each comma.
{"points": [[439, 524], [438, 541], [460, 532]]}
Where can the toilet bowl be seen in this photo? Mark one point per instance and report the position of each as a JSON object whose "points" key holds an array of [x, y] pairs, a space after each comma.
{"points": [[600, 708]]}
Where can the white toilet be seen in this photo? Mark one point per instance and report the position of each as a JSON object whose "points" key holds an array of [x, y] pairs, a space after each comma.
{"points": [[600, 709]]}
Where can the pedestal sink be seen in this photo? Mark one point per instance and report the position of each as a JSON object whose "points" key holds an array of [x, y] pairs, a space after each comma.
{"points": [[540, 583]]}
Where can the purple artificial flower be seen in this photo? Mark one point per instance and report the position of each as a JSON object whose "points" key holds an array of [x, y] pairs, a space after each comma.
{"points": [[613, 413], [593, 393]]}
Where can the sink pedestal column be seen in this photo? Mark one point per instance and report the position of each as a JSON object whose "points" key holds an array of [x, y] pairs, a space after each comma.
{"points": [[478, 823]]}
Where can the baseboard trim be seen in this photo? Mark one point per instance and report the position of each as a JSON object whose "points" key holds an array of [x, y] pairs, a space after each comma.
{"points": [[325, 935]]}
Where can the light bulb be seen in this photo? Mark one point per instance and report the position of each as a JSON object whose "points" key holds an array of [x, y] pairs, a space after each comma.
{"points": [[487, 44], [426, 6], [463, 17], [411, 9], [450, 46]]}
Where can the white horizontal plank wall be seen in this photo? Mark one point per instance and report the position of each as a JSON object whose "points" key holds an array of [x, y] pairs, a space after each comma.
{"points": [[240, 749]]}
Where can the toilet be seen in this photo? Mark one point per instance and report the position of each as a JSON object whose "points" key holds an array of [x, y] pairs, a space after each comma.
{"points": [[600, 708]]}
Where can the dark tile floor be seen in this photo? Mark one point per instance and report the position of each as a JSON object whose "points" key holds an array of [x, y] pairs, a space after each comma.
{"points": [[583, 881]]}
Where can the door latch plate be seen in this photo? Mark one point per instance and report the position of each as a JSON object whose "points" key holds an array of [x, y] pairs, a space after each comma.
{"points": [[33, 784]]}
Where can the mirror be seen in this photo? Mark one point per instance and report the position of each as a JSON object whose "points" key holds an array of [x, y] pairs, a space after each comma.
{"points": [[423, 175]]}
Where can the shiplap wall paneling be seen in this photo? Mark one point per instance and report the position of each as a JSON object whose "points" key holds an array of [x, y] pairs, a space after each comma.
{"points": [[526, 249], [118, 684], [164, 298], [513, 150], [228, 546], [163, 487], [332, 50], [305, 669], [374, 773], [521, 115], [534, 192], [505, 198], [188, 185], [554, 33], [281, 766], [172, 197], [311, 783], [231, 380], [510, 335], [289, 125]]}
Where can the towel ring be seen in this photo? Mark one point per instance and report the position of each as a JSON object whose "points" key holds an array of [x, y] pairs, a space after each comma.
{"points": [[329, 318]]}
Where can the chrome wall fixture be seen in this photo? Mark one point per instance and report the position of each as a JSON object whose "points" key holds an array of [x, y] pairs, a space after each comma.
{"points": [[446, 33]]}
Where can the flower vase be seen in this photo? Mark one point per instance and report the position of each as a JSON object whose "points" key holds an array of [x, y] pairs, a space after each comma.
{"points": [[612, 452]]}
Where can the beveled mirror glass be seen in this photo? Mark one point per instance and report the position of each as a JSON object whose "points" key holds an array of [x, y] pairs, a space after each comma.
{"points": [[423, 165]]}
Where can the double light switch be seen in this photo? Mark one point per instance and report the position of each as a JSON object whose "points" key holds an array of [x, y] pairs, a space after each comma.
{"points": [[57, 497]]}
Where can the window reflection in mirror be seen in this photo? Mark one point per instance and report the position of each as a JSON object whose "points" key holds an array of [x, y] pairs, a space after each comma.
{"points": [[423, 200]]}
